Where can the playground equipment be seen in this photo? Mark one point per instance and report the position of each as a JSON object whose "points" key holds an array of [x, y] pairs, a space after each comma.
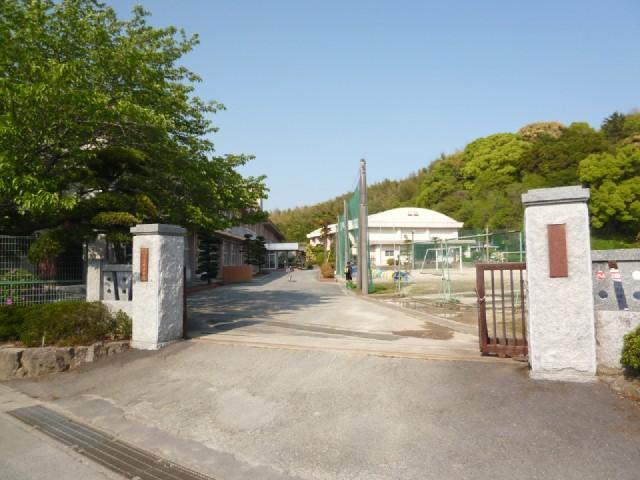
{"points": [[440, 255], [444, 256]]}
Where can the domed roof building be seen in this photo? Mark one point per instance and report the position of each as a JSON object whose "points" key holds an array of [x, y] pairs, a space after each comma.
{"points": [[391, 229]]}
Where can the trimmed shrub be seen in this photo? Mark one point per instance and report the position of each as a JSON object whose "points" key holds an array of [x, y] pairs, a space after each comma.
{"points": [[62, 324], [10, 322], [66, 323], [123, 324], [631, 351], [327, 270]]}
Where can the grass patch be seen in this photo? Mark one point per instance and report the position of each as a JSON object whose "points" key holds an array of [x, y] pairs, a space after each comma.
{"points": [[598, 243], [384, 288]]}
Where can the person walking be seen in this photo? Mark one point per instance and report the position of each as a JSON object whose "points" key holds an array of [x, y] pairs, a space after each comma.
{"points": [[348, 272], [290, 272]]}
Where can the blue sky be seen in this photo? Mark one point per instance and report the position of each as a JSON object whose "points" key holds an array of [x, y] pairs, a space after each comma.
{"points": [[313, 86]]}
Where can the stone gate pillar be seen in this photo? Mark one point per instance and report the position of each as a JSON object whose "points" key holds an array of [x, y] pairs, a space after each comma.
{"points": [[561, 330], [96, 254], [158, 261]]}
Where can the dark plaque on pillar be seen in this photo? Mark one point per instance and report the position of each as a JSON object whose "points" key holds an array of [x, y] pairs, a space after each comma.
{"points": [[144, 264], [558, 266]]}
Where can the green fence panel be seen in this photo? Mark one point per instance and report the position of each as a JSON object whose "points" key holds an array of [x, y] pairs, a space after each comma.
{"points": [[346, 228]]}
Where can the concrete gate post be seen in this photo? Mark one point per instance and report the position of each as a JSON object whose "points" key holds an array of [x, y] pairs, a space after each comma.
{"points": [[158, 261], [561, 330], [96, 254]]}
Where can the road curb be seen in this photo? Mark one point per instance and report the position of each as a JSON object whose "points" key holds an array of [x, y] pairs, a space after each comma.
{"points": [[358, 351]]}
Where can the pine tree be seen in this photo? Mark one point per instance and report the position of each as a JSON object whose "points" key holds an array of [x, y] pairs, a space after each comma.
{"points": [[255, 250], [209, 247], [249, 249], [260, 252]]}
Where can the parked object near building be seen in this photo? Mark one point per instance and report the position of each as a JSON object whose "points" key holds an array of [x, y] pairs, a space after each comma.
{"points": [[392, 230]]}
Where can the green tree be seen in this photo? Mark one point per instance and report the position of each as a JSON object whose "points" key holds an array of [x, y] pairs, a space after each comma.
{"points": [[535, 131], [325, 233], [296, 223], [208, 256], [615, 189], [260, 252], [492, 168], [319, 256], [632, 129], [493, 161], [254, 250], [613, 127], [443, 188], [482, 185], [249, 250], [99, 127], [555, 159], [309, 256]]}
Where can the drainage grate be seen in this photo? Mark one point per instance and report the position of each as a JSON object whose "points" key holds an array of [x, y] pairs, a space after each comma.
{"points": [[109, 452]]}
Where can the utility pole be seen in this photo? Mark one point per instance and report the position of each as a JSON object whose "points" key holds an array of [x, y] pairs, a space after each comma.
{"points": [[363, 254], [339, 246], [347, 248]]}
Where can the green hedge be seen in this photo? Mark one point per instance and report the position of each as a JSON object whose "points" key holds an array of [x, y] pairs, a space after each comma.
{"points": [[62, 323], [631, 351]]}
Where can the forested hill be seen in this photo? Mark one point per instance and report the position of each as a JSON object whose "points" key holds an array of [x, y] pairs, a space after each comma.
{"points": [[295, 223], [481, 185]]}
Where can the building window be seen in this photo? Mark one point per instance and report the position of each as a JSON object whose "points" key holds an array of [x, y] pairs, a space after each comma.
{"points": [[234, 254], [225, 253], [388, 253]]}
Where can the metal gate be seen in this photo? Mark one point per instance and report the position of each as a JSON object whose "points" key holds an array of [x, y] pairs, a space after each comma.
{"points": [[500, 288]]}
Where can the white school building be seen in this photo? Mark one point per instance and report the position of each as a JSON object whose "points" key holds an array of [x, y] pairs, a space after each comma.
{"points": [[391, 229]]}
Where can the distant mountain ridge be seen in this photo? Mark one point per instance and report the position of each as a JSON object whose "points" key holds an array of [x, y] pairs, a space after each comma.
{"points": [[296, 222], [481, 185]]}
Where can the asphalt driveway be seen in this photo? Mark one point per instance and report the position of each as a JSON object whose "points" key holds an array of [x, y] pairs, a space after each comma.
{"points": [[309, 314], [249, 399]]}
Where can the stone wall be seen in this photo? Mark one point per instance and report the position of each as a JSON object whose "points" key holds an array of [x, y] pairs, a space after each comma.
{"points": [[616, 293], [33, 362]]}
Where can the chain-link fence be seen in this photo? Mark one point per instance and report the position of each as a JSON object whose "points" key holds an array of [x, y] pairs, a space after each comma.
{"points": [[438, 276], [468, 249], [51, 280]]}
